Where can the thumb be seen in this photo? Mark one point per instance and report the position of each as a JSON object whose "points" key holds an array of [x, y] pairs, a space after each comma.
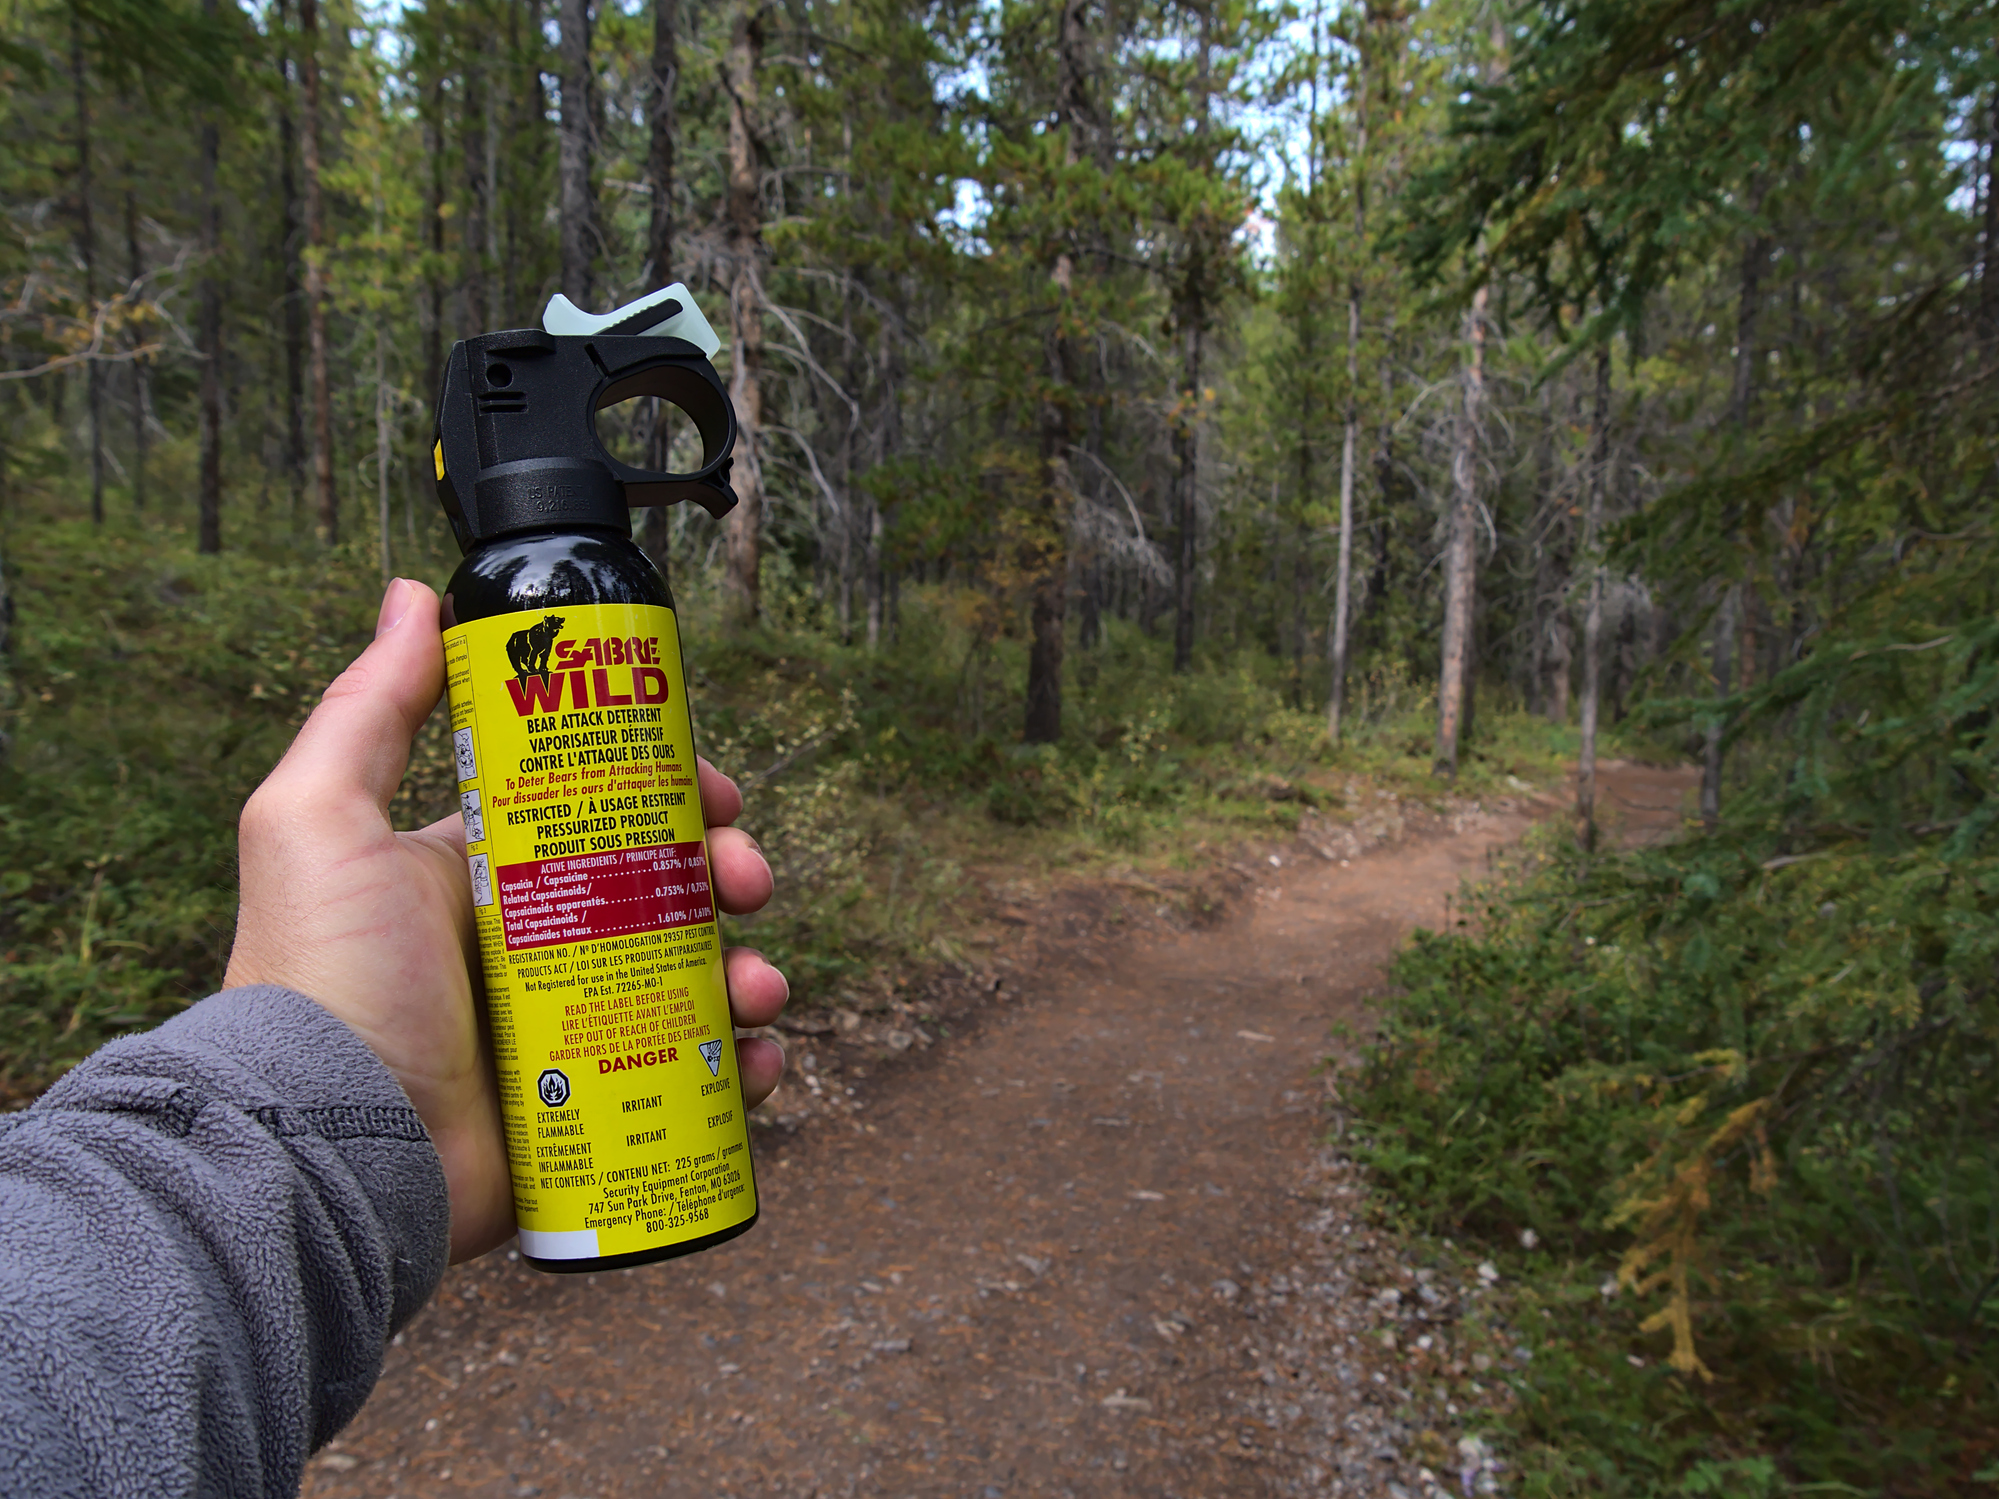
{"points": [[356, 744]]}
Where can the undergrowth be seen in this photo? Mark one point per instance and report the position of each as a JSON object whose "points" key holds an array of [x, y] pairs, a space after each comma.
{"points": [[152, 688]]}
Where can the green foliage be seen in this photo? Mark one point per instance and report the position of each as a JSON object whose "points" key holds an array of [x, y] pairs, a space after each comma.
{"points": [[1024, 338], [1560, 1072], [154, 689], [1746, 1081], [1758, 1074], [1625, 142]]}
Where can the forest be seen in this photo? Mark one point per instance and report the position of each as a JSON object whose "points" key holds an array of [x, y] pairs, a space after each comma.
{"points": [[1155, 416]]}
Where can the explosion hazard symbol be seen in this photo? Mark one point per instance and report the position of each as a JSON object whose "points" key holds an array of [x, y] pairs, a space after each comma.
{"points": [[711, 1053]]}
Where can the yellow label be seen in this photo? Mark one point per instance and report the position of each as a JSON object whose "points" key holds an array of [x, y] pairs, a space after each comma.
{"points": [[603, 964]]}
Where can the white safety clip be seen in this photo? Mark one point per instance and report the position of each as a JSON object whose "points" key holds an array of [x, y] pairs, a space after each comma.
{"points": [[670, 312]]}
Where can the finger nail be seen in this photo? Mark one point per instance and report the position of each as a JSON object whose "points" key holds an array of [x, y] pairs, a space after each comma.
{"points": [[395, 604]]}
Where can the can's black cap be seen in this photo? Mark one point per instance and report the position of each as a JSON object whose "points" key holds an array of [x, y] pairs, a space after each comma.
{"points": [[516, 435]]}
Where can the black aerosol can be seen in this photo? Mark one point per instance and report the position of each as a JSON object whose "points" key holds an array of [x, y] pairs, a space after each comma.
{"points": [[590, 878]]}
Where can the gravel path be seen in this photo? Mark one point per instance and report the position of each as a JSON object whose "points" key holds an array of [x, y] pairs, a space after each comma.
{"points": [[1083, 1237]]}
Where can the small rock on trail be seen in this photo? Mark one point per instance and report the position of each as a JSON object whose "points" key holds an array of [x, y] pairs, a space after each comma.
{"points": [[1093, 1247]]}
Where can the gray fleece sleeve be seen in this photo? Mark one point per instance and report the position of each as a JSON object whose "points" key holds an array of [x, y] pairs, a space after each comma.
{"points": [[208, 1234]]}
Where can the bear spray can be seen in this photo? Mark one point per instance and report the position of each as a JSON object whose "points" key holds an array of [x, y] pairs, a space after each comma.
{"points": [[595, 908]]}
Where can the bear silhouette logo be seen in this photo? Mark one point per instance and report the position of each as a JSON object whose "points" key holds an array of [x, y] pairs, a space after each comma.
{"points": [[528, 649]]}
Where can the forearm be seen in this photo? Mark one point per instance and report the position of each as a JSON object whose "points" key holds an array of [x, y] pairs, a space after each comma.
{"points": [[207, 1235]]}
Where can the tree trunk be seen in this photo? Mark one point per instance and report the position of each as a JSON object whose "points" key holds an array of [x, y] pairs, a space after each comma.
{"points": [[1343, 573], [473, 135], [1741, 403], [888, 443], [1561, 655], [384, 441], [327, 497], [1186, 452], [659, 159], [135, 265], [1306, 435], [527, 109], [1090, 570], [872, 576], [1461, 552], [1745, 629], [1599, 478], [844, 520], [1301, 563], [1047, 561], [578, 235], [745, 249], [1722, 659], [1349, 447], [496, 316], [433, 237], [1090, 598], [210, 524], [86, 250], [294, 293], [1988, 267], [661, 106], [1749, 306], [6, 647], [1192, 315], [1541, 534]]}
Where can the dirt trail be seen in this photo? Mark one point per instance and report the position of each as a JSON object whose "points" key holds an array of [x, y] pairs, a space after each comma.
{"points": [[1079, 1250]]}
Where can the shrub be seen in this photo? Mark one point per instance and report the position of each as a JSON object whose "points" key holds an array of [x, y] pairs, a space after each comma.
{"points": [[1754, 1076]]}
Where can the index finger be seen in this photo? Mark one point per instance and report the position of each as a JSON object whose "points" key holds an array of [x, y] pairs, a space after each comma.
{"points": [[721, 802]]}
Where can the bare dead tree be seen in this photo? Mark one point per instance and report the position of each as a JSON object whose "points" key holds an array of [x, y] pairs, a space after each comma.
{"points": [[1461, 545], [1350, 440]]}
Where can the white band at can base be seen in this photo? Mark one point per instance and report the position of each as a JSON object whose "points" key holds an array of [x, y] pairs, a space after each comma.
{"points": [[580, 1244]]}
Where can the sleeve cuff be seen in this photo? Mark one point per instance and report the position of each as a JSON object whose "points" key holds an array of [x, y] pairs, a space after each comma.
{"points": [[299, 1069]]}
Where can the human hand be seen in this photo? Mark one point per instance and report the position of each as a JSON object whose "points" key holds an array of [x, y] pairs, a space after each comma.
{"points": [[376, 925]]}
